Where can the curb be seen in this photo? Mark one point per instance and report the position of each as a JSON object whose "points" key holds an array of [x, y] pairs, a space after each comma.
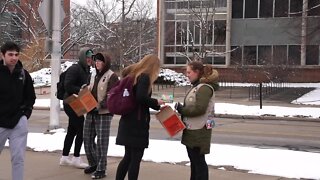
{"points": [[234, 116], [251, 117]]}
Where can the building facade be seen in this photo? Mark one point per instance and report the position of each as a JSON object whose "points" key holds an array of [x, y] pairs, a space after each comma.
{"points": [[245, 40]]}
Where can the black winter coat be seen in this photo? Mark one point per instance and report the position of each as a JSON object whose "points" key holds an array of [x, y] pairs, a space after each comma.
{"points": [[76, 76], [133, 128], [17, 95]]}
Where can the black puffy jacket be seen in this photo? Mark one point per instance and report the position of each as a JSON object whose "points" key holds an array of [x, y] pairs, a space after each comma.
{"points": [[77, 75], [17, 95]]}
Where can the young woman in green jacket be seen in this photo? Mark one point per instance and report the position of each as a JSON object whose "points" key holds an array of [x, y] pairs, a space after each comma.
{"points": [[196, 112]]}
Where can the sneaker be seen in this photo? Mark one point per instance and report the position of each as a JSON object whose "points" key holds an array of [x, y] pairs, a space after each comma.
{"points": [[65, 161], [78, 163], [90, 169], [98, 175]]}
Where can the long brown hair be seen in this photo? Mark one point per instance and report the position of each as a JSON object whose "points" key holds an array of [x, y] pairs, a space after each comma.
{"points": [[149, 65]]}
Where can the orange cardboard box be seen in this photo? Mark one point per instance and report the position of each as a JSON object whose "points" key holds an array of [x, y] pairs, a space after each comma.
{"points": [[170, 120], [83, 102]]}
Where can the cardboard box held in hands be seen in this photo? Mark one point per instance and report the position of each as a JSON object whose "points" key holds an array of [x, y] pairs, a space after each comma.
{"points": [[170, 120], [83, 102]]}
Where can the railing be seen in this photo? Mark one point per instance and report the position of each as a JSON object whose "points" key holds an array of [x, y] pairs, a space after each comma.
{"points": [[264, 89], [227, 90], [170, 89], [227, 86]]}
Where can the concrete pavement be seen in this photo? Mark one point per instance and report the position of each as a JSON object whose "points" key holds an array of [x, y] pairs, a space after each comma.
{"points": [[45, 166]]}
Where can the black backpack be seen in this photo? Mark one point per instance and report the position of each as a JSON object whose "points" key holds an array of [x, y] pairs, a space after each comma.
{"points": [[60, 86]]}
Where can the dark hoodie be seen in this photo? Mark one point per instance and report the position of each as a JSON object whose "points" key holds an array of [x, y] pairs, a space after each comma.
{"points": [[17, 95], [77, 75]]}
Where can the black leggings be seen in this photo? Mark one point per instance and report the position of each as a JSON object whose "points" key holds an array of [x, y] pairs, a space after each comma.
{"points": [[199, 167], [75, 128], [130, 163]]}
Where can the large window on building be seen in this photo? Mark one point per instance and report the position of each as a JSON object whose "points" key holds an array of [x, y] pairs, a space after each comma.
{"points": [[169, 32], [207, 60], [182, 5], [237, 8], [236, 55], [281, 8], [314, 8], [169, 16], [181, 60], [181, 32], [219, 3], [273, 8], [194, 4], [249, 55], [169, 49], [219, 60], [220, 32], [207, 33], [197, 33], [189, 35], [209, 39], [170, 5], [312, 55], [180, 49], [191, 32], [280, 55], [266, 8], [264, 55], [212, 4], [251, 9], [296, 8], [294, 55], [169, 60]]}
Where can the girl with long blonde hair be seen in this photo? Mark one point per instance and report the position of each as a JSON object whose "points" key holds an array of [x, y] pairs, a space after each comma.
{"points": [[149, 65], [133, 130]]}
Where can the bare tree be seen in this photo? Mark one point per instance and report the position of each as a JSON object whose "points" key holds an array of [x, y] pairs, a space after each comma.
{"points": [[123, 28], [21, 23]]}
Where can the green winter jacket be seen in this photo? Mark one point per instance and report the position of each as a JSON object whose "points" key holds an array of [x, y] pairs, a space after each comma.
{"points": [[200, 137]]}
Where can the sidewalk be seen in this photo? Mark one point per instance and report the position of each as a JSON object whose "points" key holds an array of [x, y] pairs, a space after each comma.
{"points": [[44, 166]]}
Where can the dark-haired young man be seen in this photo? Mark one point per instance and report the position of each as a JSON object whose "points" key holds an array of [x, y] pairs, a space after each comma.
{"points": [[17, 97]]}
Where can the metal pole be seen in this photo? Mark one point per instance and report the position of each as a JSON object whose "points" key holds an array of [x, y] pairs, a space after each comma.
{"points": [[304, 32], [161, 29], [140, 29], [260, 88], [55, 64], [228, 32]]}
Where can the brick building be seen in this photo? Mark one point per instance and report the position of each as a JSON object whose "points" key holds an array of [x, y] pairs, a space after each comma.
{"points": [[245, 40]]}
